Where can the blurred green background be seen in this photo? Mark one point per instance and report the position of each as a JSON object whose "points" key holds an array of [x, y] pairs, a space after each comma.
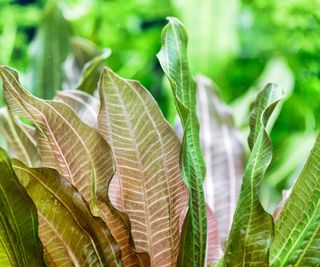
{"points": [[241, 45]]}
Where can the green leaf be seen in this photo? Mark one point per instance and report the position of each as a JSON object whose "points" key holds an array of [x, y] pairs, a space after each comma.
{"points": [[82, 51], [48, 52], [70, 234], [20, 139], [252, 227], [173, 59], [146, 151], [76, 150], [19, 242], [92, 71], [297, 231]]}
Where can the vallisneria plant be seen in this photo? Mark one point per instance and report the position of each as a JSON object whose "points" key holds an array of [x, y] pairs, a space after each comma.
{"points": [[101, 178]]}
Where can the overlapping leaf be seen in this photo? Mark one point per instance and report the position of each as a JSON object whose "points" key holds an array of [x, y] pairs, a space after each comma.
{"points": [[146, 151], [84, 105], [20, 138], [49, 50], [223, 154], [19, 242], [76, 150], [173, 59], [297, 231], [252, 228], [70, 234]]}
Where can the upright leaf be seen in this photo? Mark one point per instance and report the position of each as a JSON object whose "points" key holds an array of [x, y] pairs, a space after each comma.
{"points": [[20, 245], [77, 151], [92, 71], [20, 138], [223, 154], [297, 231], [173, 59], [252, 227], [48, 51], [70, 234], [146, 151], [82, 51]]}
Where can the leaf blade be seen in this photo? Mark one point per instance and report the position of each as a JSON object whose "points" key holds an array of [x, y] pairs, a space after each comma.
{"points": [[20, 245], [173, 59], [252, 228]]}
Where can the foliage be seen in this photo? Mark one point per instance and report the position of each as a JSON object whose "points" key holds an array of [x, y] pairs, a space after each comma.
{"points": [[101, 161]]}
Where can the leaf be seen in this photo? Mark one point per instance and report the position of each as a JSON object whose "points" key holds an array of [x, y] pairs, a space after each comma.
{"points": [[252, 227], [173, 59], [20, 245], [77, 151], [82, 51], [223, 154], [20, 138], [214, 248], [279, 208], [84, 105], [146, 152], [70, 234], [92, 71], [297, 232], [48, 52]]}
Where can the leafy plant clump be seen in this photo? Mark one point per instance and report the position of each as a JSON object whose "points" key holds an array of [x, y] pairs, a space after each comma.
{"points": [[98, 177]]}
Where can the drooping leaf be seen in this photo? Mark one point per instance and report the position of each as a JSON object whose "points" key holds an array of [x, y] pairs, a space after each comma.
{"points": [[252, 227], [297, 232], [173, 59], [223, 154], [48, 52], [77, 151], [84, 105], [146, 151], [70, 234], [92, 71], [20, 244], [20, 139]]}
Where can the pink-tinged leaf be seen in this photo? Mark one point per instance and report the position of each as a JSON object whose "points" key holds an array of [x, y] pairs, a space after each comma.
{"points": [[278, 209], [214, 248], [146, 152], [77, 151], [84, 105], [223, 154]]}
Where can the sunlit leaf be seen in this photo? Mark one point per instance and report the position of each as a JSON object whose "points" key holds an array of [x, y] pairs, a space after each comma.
{"points": [[297, 232], [173, 59], [20, 245], [146, 151], [77, 151], [70, 234], [252, 228]]}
